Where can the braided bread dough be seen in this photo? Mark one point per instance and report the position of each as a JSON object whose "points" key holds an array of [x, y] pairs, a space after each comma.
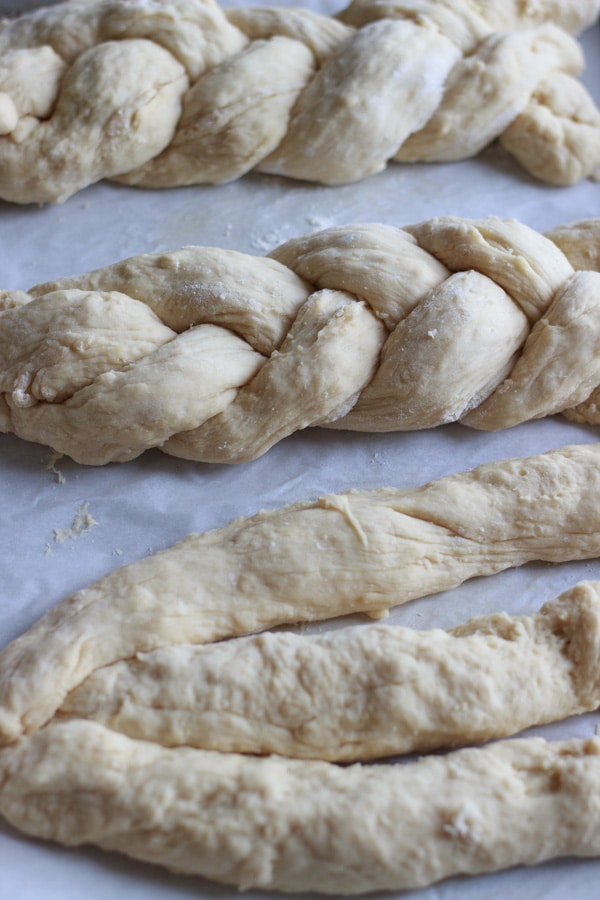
{"points": [[358, 693], [181, 92], [298, 825], [214, 355], [342, 554]]}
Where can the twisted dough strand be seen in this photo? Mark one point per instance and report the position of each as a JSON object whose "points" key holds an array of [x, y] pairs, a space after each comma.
{"points": [[180, 92], [215, 355]]}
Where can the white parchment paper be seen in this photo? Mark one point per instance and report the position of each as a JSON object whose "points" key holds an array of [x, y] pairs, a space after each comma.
{"points": [[154, 501]]}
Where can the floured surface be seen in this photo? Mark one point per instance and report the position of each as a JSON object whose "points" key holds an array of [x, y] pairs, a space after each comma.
{"points": [[152, 502]]}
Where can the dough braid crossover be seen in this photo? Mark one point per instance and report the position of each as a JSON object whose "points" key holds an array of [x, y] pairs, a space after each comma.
{"points": [[306, 824], [173, 92], [215, 355]]}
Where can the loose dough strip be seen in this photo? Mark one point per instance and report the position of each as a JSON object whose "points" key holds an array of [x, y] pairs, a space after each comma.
{"points": [[181, 92], [310, 561], [367, 327], [298, 825], [358, 693]]}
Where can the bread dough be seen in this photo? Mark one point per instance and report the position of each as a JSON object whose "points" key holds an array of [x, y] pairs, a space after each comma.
{"points": [[358, 693], [181, 92], [214, 355], [467, 22], [299, 825], [355, 552]]}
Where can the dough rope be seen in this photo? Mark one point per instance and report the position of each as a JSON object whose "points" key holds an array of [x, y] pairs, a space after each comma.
{"points": [[215, 355], [358, 693], [204, 95], [347, 553], [298, 825]]}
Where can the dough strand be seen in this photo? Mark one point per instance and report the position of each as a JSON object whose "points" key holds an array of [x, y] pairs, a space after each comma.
{"points": [[214, 355], [298, 825], [161, 94], [347, 553], [358, 693]]}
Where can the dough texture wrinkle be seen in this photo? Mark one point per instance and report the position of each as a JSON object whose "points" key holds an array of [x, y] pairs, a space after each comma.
{"points": [[215, 355], [184, 92], [356, 552]]}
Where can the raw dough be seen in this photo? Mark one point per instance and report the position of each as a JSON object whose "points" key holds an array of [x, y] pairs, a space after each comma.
{"points": [[181, 92], [299, 825], [214, 355], [341, 554], [359, 693]]}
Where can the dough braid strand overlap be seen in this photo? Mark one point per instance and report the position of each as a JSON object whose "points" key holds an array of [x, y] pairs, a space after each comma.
{"points": [[180, 92], [215, 355]]}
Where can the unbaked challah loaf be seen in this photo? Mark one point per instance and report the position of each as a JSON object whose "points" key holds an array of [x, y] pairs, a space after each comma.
{"points": [[215, 355], [181, 92]]}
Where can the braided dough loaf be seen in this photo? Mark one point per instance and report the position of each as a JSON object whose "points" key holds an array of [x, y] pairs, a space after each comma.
{"points": [[342, 554], [181, 92], [214, 355], [358, 693]]}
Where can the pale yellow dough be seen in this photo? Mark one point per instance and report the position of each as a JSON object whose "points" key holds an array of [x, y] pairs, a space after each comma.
{"points": [[307, 824], [215, 355], [298, 825], [182, 92], [356, 552], [361, 692]]}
